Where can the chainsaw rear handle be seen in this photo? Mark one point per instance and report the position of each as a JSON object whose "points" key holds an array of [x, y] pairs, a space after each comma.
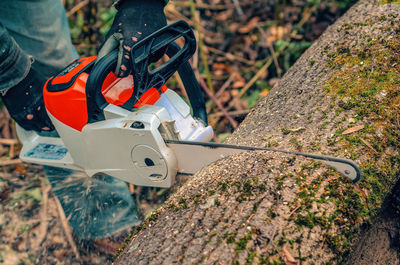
{"points": [[142, 54]]}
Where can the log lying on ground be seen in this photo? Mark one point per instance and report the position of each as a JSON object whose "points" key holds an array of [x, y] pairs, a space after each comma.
{"points": [[260, 207]]}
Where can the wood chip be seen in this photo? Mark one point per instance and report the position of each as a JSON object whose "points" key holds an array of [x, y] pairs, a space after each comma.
{"points": [[353, 129], [43, 216], [287, 257]]}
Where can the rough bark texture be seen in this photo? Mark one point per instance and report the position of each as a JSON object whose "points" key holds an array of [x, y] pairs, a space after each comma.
{"points": [[260, 207]]}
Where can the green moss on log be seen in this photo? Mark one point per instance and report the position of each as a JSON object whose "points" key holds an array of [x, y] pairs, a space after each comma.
{"points": [[383, 2], [366, 81]]}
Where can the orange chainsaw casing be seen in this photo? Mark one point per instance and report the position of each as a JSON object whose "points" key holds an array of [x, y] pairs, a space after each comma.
{"points": [[65, 94]]}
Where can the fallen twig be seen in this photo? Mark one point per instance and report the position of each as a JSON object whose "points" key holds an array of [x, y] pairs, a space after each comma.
{"points": [[260, 72], [230, 56], [76, 8], [43, 215], [171, 12], [8, 141], [238, 8], [67, 229], [256, 77], [204, 6], [294, 210], [12, 143], [306, 15], [231, 113], [219, 105], [278, 68], [363, 195], [368, 145], [250, 217], [225, 85], [10, 162]]}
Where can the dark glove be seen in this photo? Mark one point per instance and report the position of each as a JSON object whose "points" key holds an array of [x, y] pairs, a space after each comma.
{"points": [[134, 20], [25, 103]]}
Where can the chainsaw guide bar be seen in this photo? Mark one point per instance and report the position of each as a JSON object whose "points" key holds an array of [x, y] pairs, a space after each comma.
{"points": [[208, 152]]}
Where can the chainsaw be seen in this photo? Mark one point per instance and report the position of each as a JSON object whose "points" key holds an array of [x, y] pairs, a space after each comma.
{"points": [[135, 128]]}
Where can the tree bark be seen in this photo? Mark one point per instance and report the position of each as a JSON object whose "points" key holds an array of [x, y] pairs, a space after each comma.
{"points": [[268, 208]]}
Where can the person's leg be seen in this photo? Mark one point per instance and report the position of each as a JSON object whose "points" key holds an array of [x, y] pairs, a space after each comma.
{"points": [[14, 63], [41, 29], [96, 207]]}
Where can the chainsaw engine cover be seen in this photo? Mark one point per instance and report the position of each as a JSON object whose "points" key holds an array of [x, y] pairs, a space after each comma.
{"points": [[118, 127], [65, 94]]}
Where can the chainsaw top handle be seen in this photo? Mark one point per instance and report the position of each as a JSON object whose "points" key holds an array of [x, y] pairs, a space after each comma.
{"points": [[142, 55]]}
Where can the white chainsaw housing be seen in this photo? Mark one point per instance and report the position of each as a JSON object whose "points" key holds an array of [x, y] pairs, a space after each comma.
{"points": [[128, 145]]}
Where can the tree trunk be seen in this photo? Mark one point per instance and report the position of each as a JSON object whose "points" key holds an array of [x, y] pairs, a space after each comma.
{"points": [[268, 208]]}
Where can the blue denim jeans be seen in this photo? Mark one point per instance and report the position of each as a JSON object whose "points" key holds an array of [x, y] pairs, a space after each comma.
{"points": [[38, 30]]}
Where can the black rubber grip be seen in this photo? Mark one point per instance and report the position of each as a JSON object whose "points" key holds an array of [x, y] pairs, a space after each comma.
{"points": [[141, 56]]}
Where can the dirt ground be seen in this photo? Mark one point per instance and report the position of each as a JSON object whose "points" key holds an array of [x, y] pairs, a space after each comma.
{"points": [[32, 231]]}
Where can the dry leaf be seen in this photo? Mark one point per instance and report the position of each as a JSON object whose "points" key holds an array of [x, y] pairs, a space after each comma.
{"points": [[273, 34], [21, 170], [219, 66], [264, 93], [353, 129], [250, 25], [223, 16], [287, 257], [233, 27], [238, 84], [222, 66]]}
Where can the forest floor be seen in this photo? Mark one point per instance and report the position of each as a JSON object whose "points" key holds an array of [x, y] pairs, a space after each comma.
{"points": [[254, 38]]}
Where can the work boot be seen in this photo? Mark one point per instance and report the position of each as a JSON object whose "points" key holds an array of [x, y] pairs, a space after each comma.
{"points": [[25, 103]]}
